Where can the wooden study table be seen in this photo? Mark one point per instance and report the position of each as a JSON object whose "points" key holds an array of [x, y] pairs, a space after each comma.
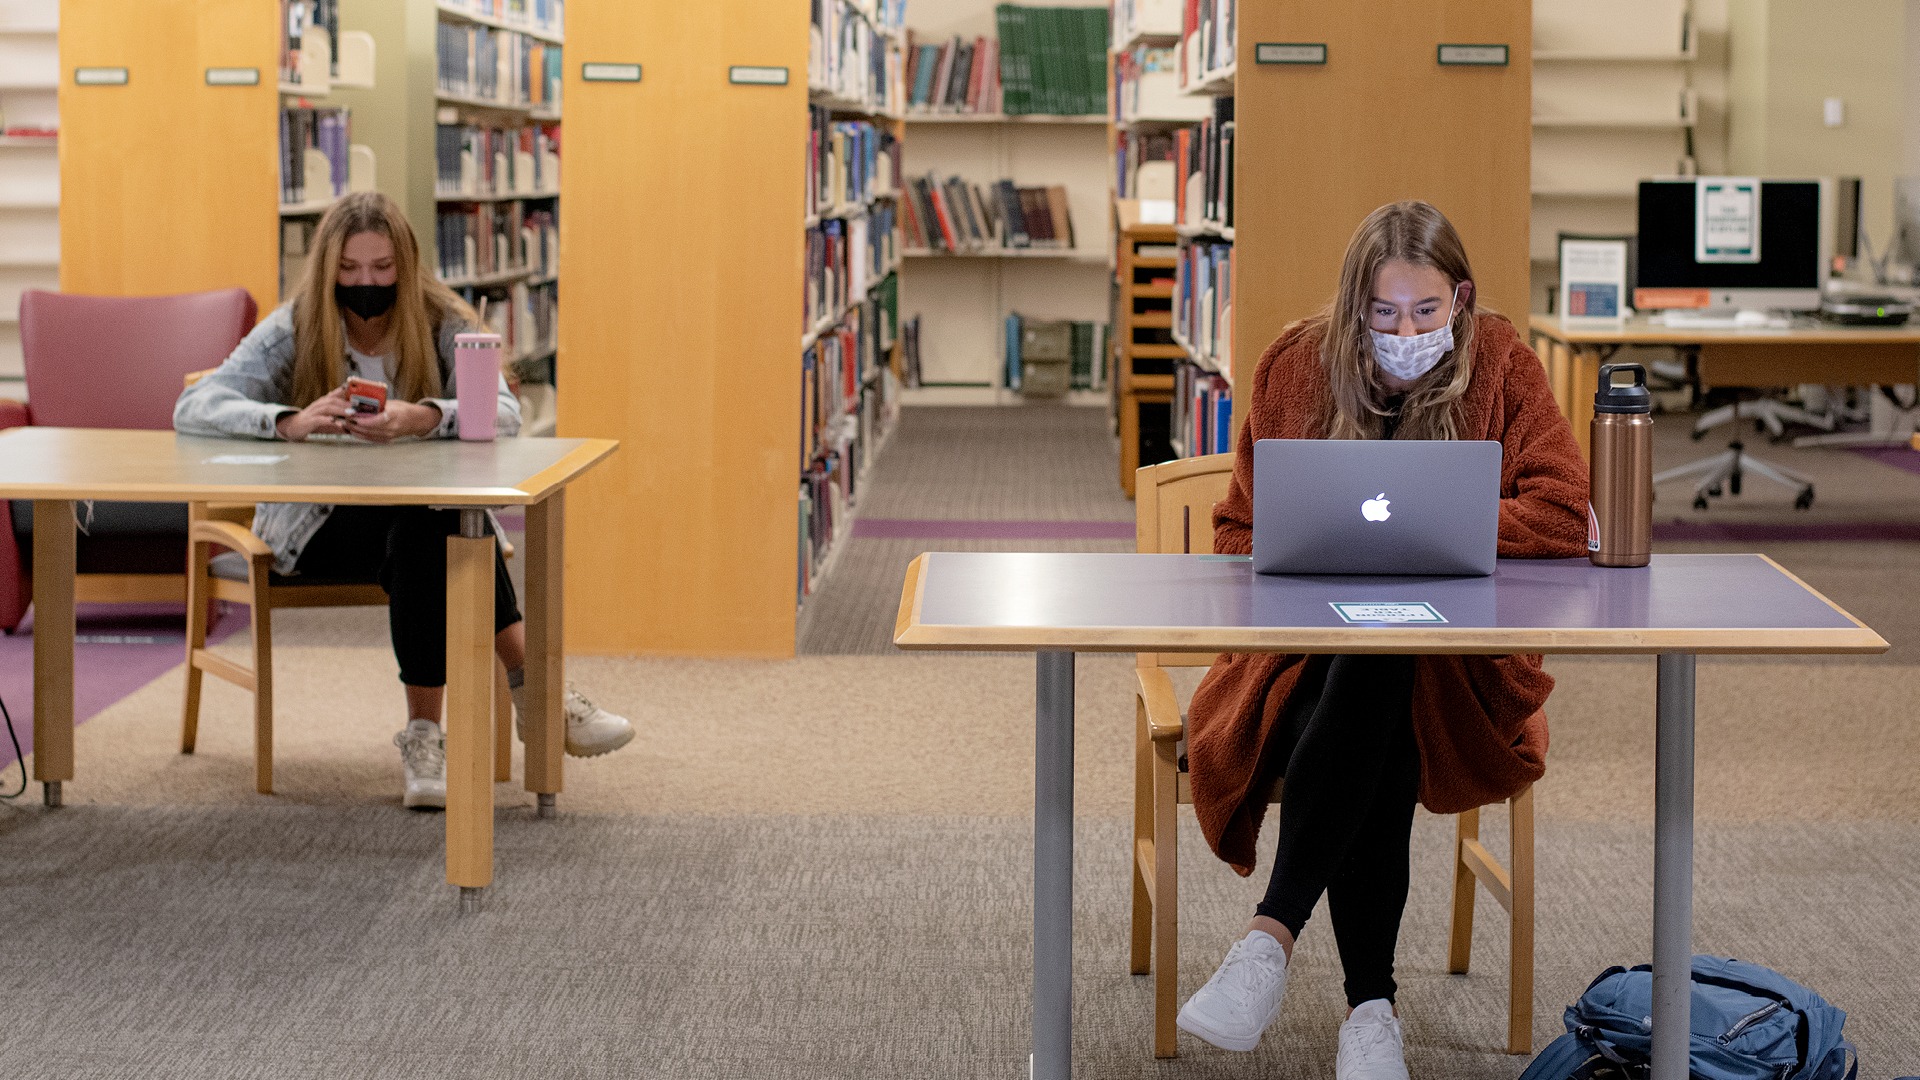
{"points": [[1055, 605], [58, 467], [1809, 351]]}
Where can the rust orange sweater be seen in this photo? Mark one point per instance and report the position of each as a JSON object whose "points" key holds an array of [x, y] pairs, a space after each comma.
{"points": [[1477, 719]]}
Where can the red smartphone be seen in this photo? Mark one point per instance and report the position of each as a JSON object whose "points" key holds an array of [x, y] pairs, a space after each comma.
{"points": [[365, 397]]}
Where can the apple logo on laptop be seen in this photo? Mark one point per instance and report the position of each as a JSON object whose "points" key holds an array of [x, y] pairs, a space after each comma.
{"points": [[1375, 509]]}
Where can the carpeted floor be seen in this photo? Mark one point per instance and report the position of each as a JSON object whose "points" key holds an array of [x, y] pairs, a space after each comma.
{"points": [[820, 867], [227, 942]]}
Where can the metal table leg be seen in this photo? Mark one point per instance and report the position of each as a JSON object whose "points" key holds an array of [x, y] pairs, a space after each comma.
{"points": [[1053, 867], [1673, 866]]}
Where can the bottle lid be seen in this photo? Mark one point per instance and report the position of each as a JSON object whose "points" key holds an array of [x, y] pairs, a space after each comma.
{"points": [[1631, 398]]}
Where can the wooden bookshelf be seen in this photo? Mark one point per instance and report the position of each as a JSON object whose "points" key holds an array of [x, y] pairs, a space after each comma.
{"points": [[687, 536], [1141, 388], [169, 184], [1467, 152]]}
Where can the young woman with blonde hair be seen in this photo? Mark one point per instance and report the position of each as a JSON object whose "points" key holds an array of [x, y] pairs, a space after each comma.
{"points": [[366, 306], [1402, 352]]}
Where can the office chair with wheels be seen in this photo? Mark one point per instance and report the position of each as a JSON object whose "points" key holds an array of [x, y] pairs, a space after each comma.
{"points": [[1174, 514], [1725, 472]]}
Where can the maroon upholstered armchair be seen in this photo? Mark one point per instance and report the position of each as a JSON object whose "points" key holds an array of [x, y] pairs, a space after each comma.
{"points": [[113, 362]]}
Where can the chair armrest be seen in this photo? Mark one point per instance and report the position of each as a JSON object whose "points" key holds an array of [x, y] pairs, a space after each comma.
{"points": [[1163, 708], [14, 413], [231, 536], [240, 514]]}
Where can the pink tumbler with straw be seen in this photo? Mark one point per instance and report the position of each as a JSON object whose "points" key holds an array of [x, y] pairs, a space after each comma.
{"points": [[476, 379]]}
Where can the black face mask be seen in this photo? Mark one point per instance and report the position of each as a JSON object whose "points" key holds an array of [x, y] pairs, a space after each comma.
{"points": [[366, 301]]}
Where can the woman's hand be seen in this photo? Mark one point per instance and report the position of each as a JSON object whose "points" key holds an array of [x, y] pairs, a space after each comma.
{"points": [[325, 415], [399, 420]]}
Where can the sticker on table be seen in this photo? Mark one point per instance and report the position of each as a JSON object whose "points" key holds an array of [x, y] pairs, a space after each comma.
{"points": [[1388, 613], [245, 459]]}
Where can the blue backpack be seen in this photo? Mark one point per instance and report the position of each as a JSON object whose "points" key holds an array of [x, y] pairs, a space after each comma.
{"points": [[1749, 1023]]}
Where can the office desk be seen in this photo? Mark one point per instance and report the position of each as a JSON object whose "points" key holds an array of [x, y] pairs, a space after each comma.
{"points": [[55, 467], [1812, 353], [1057, 604]]}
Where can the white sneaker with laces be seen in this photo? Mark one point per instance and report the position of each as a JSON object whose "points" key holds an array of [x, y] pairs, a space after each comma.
{"points": [[423, 758], [1371, 1045], [591, 730], [1242, 999]]}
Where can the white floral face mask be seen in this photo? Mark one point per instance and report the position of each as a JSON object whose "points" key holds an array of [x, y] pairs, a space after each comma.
{"points": [[1408, 358]]}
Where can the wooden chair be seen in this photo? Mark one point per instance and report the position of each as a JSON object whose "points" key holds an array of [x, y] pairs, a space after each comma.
{"points": [[227, 525], [1174, 513]]}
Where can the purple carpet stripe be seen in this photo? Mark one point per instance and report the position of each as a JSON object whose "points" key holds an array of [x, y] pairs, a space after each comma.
{"points": [[976, 529], [1748, 532], [118, 649], [1900, 457]]}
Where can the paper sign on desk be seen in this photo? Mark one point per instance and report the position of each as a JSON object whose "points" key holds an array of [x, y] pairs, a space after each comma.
{"points": [[1726, 225], [1593, 279], [1388, 613]]}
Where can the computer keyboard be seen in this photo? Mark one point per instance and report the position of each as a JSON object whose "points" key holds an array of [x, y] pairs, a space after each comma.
{"points": [[1694, 320]]}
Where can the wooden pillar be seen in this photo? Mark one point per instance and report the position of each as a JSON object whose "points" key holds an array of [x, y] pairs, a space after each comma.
{"points": [[1322, 145], [167, 184], [682, 247]]}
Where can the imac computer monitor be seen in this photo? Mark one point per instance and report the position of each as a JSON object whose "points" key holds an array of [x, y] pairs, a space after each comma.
{"points": [[1788, 275]]}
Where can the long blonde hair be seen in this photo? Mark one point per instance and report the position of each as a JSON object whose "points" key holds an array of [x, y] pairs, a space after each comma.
{"points": [[1414, 232], [421, 308]]}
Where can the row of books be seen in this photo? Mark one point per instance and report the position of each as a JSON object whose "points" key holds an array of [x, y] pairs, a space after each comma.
{"points": [[323, 131], [1143, 164], [477, 159], [546, 16], [846, 401], [1203, 168], [478, 240], [1146, 86], [957, 216], [1203, 301], [297, 17], [844, 257], [957, 77], [1053, 60], [848, 162], [1202, 417], [848, 54], [1067, 353], [525, 316], [1208, 31], [503, 66]]}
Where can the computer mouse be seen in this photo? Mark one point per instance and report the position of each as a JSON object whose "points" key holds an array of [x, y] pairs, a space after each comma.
{"points": [[1749, 317]]}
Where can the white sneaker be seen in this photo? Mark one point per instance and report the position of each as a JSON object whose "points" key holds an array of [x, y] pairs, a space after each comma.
{"points": [[423, 757], [591, 730], [1243, 997], [1371, 1047]]}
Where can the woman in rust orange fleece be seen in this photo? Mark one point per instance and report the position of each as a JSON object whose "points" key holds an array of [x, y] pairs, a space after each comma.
{"points": [[1401, 353]]}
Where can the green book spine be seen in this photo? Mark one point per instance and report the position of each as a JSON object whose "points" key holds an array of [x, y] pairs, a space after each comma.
{"points": [[1097, 59], [1015, 69]]}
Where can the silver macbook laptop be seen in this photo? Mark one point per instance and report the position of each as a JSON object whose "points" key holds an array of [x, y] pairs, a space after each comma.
{"points": [[1324, 506]]}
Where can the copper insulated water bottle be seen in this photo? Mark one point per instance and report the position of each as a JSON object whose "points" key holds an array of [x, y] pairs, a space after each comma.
{"points": [[1620, 515]]}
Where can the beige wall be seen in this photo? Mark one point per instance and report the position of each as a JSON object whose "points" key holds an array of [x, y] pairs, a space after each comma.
{"points": [[1786, 57]]}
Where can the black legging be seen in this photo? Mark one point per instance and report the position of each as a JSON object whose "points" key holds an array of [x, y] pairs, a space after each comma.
{"points": [[404, 548], [1352, 773]]}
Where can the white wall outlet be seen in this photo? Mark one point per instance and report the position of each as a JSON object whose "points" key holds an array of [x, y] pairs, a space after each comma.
{"points": [[1835, 112]]}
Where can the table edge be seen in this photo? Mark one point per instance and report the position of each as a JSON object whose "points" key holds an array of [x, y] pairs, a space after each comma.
{"points": [[1382, 639]]}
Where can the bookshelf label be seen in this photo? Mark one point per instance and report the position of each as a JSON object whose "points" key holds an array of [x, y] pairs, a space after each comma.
{"points": [[1289, 52], [233, 76], [610, 72], [743, 75], [99, 76], [1473, 55]]}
